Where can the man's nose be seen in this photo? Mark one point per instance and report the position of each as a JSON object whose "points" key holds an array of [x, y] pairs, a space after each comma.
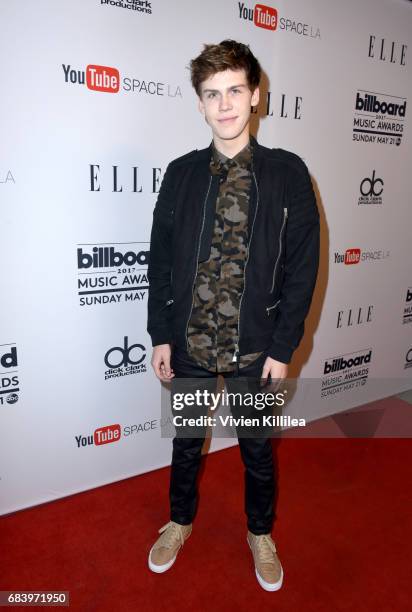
{"points": [[225, 103]]}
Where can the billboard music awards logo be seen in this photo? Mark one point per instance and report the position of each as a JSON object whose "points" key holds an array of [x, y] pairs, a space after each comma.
{"points": [[9, 376], [354, 256], [408, 359], [112, 273], [407, 310], [125, 360], [371, 189], [345, 372], [107, 79], [267, 17], [141, 6], [378, 118]]}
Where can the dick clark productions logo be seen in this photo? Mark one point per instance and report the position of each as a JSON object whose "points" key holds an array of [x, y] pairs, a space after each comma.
{"points": [[125, 360]]}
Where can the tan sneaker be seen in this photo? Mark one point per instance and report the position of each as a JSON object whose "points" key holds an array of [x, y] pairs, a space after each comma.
{"points": [[164, 551], [269, 572]]}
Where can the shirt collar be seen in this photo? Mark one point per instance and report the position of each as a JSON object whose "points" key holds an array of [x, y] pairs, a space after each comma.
{"points": [[220, 162]]}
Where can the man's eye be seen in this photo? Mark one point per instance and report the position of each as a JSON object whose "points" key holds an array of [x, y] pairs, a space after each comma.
{"points": [[211, 95], [235, 90]]}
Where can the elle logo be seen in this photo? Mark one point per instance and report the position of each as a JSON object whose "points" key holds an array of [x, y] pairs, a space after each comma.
{"points": [[105, 435], [265, 17], [102, 78]]}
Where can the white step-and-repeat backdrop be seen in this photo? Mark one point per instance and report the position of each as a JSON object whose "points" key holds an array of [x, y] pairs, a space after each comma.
{"points": [[95, 101]]}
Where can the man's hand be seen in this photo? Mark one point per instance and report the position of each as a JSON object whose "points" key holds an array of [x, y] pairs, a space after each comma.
{"points": [[161, 362], [277, 370]]}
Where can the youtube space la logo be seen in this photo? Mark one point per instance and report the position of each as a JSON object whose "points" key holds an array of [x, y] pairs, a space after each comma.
{"points": [[95, 77]]}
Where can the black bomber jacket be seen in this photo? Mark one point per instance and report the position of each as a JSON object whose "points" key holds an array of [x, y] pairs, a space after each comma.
{"points": [[283, 255]]}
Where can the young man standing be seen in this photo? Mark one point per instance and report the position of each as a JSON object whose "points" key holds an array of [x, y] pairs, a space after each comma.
{"points": [[233, 263]]}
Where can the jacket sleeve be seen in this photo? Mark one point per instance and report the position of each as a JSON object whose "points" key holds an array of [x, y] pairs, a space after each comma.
{"points": [[160, 265], [301, 262]]}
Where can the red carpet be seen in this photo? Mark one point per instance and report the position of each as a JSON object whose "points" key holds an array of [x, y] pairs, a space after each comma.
{"points": [[343, 534]]}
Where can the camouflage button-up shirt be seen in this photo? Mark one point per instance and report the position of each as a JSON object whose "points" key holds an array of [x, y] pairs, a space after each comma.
{"points": [[213, 325]]}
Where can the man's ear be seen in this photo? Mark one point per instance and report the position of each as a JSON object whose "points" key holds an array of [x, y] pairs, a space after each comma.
{"points": [[201, 106], [255, 97]]}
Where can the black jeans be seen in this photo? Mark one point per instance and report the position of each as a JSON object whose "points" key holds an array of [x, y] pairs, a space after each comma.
{"points": [[256, 455]]}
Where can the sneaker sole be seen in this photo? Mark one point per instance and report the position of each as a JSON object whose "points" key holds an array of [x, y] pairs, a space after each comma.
{"points": [[268, 586], [159, 569]]}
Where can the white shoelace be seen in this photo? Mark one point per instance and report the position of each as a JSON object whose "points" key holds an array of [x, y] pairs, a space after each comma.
{"points": [[265, 548], [171, 534]]}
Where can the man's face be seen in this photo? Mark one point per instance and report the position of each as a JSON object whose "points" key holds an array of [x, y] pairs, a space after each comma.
{"points": [[225, 102]]}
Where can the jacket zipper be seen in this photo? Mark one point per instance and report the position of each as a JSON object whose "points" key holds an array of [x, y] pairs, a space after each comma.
{"points": [[170, 302], [285, 216], [236, 353], [269, 308], [197, 258], [166, 304]]}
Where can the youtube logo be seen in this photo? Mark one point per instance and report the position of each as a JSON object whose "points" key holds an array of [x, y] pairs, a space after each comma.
{"points": [[261, 15], [100, 436], [102, 78], [349, 257], [265, 17], [352, 256], [95, 77], [105, 435]]}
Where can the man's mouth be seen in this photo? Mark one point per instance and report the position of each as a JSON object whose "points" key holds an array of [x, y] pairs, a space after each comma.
{"points": [[227, 119]]}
